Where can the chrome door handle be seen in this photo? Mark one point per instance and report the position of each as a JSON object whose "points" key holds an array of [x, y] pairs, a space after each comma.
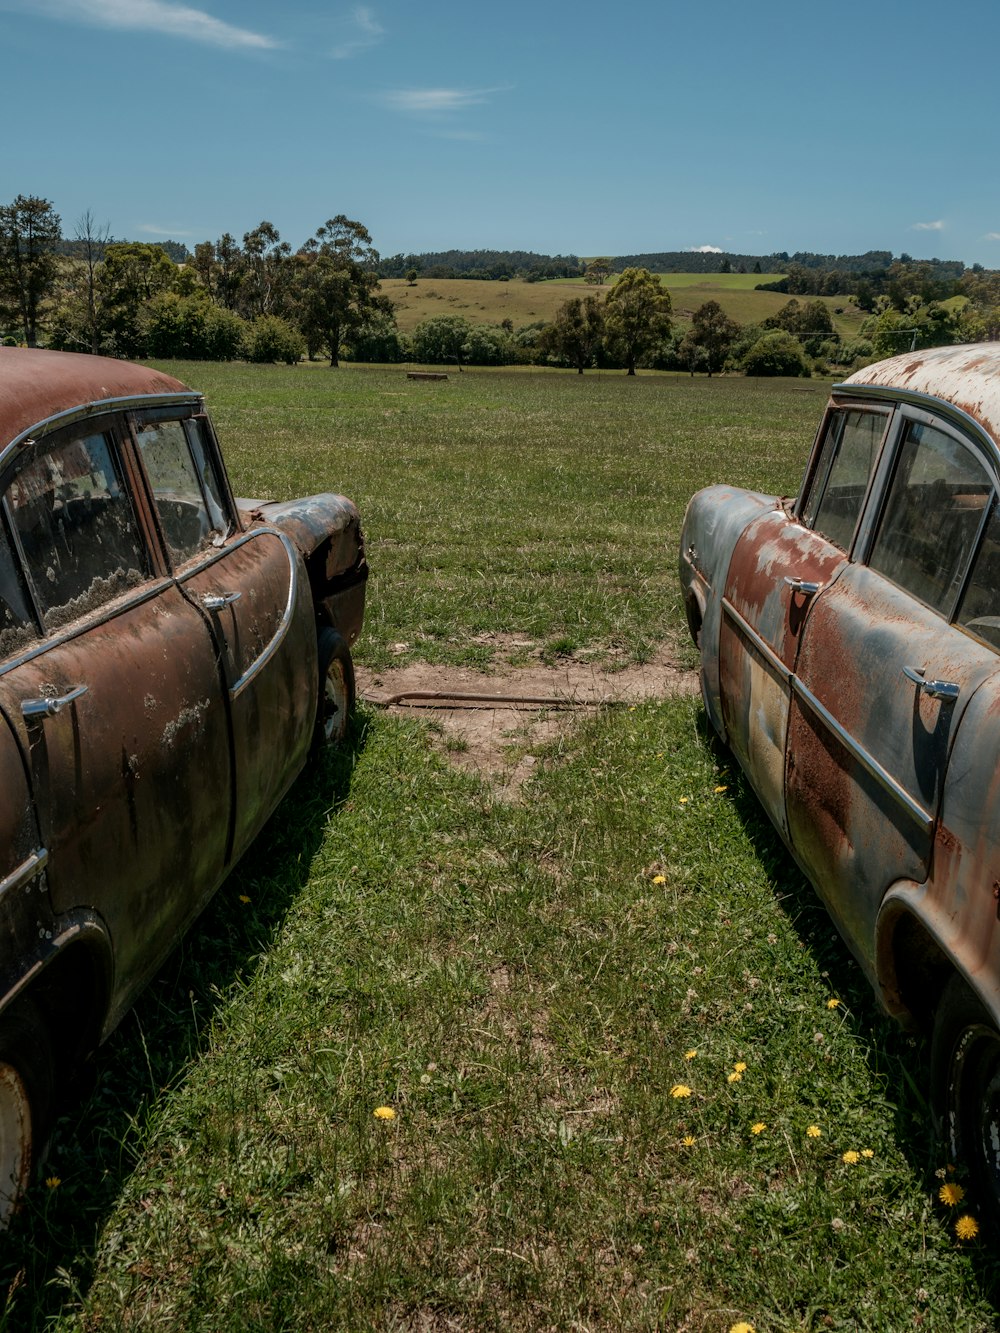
{"points": [[216, 601], [32, 708], [936, 689], [804, 586]]}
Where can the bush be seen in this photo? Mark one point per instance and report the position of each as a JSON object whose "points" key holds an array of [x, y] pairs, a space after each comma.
{"points": [[439, 340], [776, 353], [378, 341], [271, 339], [488, 345]]}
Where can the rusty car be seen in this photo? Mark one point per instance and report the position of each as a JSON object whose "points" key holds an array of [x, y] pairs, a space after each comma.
{"points": [[849, 645], [169, 659]]}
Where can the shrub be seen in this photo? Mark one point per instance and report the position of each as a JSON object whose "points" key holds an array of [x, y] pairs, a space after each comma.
{"points": [[272, 339], [776, 353]]}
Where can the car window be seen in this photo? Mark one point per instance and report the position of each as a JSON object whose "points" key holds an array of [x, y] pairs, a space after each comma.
{"points": [[847, 456], [76, 526], [932, 516], [185, 488], [980, 609], [17, 623]]}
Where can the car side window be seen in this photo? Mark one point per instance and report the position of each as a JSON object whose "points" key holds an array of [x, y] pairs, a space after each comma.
{"points": [[980, 609], [76, 526], [933, 512], [840, 482], [17, 622], [185, 488]]}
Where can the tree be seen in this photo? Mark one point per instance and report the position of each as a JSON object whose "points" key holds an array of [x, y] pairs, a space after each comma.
{"points": [[712, 333], [576, 333], [272, 339], [264, 262], [439, 341], [131, 275], [599, 270], [30, 229], [337, 283], [411, 277], [92, 240], [776, 353], [636, 315]]}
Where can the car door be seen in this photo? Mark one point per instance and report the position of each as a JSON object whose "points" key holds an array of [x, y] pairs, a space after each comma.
{"points": [[251, 589], [883, 677], [116, 701], [781, 562]]}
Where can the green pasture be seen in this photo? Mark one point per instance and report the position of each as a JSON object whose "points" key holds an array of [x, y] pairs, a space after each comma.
{"points": [[626, 1076], [529, 302]]}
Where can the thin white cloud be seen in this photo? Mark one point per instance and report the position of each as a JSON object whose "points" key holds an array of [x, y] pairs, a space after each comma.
{"points": [[927, 226], [436, 101], [362, 31], [705, 250], [992, 236], [151, 229], [161, 16]]}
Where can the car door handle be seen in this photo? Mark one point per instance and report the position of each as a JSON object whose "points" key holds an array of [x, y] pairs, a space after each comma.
{"points": [[936, 689], [804, 586], [217, 601], [36, 708]]}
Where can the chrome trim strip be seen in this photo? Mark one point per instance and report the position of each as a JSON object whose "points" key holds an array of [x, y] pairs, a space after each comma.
{"points": [[769, 655], [237, 688], [26, 871], [885, 780], [100, 408]]}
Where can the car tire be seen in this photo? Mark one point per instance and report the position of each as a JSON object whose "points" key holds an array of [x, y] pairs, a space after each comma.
{"points": [[965, 1074], [27, 1082], [336, 689]]}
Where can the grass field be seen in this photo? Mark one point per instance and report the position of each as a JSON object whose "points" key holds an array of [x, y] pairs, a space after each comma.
{"points": [[527, 302], [627, 1076]]}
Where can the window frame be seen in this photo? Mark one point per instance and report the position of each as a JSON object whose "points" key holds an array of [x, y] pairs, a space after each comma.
{"points": [[813, 481]]}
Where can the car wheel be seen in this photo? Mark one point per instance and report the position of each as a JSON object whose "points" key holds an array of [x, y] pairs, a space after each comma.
{"points": [[965, 1071], [26, 1085], [336, 689]]}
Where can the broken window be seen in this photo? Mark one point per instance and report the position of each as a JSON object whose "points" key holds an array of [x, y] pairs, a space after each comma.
{"points": [[185, 488]]}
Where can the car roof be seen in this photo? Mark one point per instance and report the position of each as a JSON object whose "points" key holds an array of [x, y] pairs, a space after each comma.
{"points": [[966, 377], [36, 385]]}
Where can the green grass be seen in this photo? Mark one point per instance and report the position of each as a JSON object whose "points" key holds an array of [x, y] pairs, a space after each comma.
{"points": [[520, 983]]}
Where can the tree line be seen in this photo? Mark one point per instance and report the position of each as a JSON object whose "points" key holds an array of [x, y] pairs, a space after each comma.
{"points": [[260, 300]]}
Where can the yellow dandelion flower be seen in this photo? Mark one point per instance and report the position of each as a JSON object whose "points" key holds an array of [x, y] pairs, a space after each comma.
{"points": [[966, 1228], [850, 1157], [384, 1113], [742, 1327], [833, 1003], [734, 1077], [867, 1154], [243, 898], [690, 1055], [740, 1066], [814, 1132], [680, 1090], [659, 879], [683, 800], [720, 790], [688, 1141], [951, 1194], [758, 1128], [52, 1182]]}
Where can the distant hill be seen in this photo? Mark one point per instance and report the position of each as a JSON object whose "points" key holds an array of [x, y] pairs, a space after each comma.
{"points": [[72, 249], [486, 265]]}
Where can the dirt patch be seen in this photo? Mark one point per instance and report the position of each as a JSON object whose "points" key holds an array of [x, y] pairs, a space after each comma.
{"points": [[491, 721]]}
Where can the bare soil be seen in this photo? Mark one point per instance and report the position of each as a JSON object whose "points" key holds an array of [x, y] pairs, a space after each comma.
{"points": [[491, 722]]}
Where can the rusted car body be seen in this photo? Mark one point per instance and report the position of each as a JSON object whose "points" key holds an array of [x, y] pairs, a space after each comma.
{"points": [[168, 659], [850, 658]]}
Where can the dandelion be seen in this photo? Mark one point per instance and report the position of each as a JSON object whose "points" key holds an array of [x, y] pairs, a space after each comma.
{"points": [[814, 1132], [740, 1066], [720, 790], [758, 1128], [384, 1113], [966, 1228], [867, 1154], [690, 1055], [659, 879], [734, 1077], [833, 1003], [742, 1327], [244, 899], [680, 1090], [52, 1182], [951, 1194], [688, 1141], [850, 1157], [683, 800]]}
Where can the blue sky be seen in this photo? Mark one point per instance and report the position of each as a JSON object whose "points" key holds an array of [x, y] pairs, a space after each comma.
{"points": [[548, 126]]}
